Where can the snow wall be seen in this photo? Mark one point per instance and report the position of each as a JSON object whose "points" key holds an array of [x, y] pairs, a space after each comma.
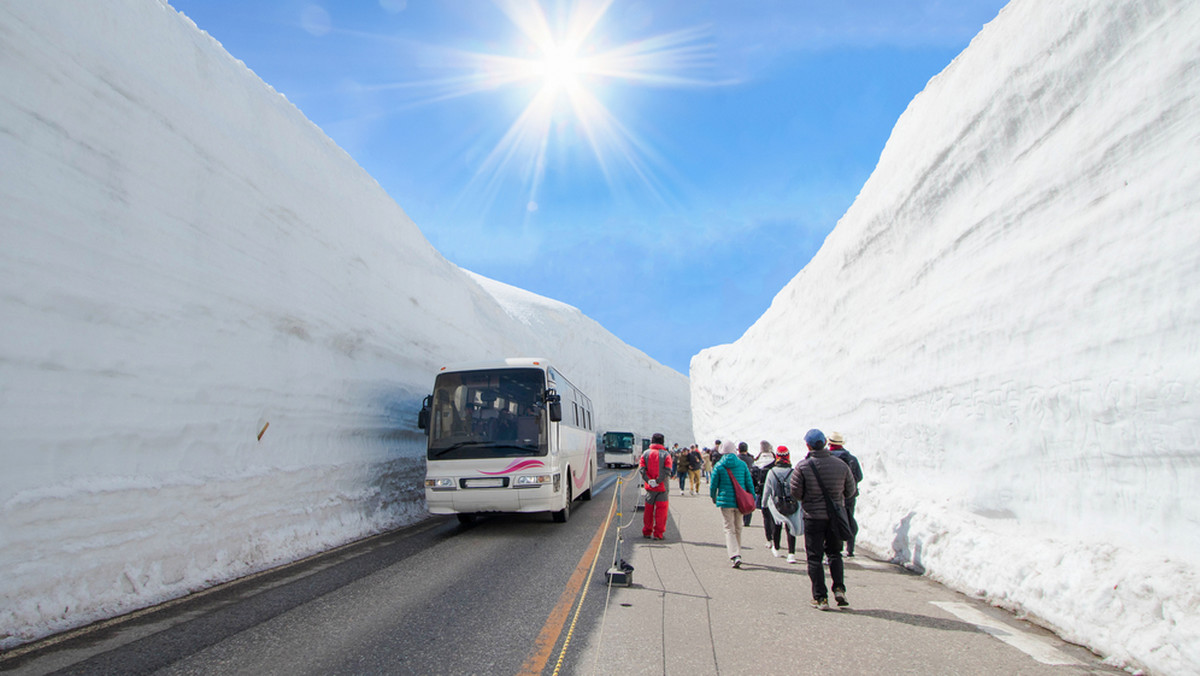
{"points": [[1005, 326], [189, 263]]}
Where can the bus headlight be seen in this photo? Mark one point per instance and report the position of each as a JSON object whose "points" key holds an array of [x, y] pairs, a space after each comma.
{"points": [[440, 484], [532, 480]]}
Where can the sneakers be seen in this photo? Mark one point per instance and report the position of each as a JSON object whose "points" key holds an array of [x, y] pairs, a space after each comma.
{"points": [[821, 603], [770, 545], [737, 562], [775, 552], [791, 558], [840, 597]]}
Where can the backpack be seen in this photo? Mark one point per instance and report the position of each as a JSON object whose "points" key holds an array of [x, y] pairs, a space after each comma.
{"points": [[758, 476], [785, 504]]}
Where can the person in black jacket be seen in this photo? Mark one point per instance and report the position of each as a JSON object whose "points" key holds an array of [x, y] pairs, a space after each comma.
{"points": [[744, 455], [681, 466], [759, 471], [817, 470], [838, 451]]}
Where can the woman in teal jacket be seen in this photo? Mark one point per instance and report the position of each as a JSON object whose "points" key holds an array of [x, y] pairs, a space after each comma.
{"points": [[720, 489]]}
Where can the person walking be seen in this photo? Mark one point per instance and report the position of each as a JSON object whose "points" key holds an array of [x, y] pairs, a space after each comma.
{"points": [[681, 467], [815, 477], [763, 462], [743, 451], [837, 450], [708, 464], [764, 450], [729, 469], [778, 484], [655, 468], [695, 465]]}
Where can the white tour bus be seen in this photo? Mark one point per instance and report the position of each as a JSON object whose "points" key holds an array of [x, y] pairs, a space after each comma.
{"points": [[622, 448], [507, 436]]}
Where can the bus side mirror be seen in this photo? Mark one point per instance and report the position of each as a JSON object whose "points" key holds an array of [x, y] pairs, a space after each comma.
{"points": [[554, 404], [423, 416]]}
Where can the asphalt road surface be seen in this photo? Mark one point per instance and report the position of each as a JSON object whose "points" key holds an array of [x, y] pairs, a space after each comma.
{"points": [[519, 594]]}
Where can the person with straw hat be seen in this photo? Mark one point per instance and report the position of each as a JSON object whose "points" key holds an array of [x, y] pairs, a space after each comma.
{"points": [[837, 450]]}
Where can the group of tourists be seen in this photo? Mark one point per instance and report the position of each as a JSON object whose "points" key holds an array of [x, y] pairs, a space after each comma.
{"points": [[815, 498], [691, 466]]}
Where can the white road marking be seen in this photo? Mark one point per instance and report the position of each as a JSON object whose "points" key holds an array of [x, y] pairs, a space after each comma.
{"points": [[1029, 644]]}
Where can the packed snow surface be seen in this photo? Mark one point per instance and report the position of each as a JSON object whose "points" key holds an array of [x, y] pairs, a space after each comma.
{"points": [[217, 327], [1005, 326]]}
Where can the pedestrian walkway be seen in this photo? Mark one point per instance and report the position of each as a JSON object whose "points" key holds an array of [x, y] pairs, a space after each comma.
{"points": [[689, 612]]}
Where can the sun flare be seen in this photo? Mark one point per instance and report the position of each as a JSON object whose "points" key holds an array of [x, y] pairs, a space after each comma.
{"points": [[566, 65], [561, 69]]}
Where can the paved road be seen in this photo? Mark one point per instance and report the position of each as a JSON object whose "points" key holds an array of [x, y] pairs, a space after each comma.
{"points": [[436, 598], [521, 594]]}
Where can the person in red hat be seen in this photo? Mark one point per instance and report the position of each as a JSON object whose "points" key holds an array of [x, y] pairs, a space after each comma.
{"points": [[775, 486], [655, 467]]}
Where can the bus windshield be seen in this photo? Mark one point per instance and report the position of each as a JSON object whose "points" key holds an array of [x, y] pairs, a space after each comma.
{"points": [[493, 413], [618, 441]]}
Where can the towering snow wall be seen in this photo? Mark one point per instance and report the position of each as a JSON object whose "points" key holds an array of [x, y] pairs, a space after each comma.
{"points": [[1006, 327], [217, 328]]}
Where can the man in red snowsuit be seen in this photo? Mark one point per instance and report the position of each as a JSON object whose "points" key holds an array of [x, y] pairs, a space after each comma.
{"points": [[655, 466]]}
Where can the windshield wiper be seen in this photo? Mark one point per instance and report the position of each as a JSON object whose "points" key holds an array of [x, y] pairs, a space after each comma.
{"points": [[528, 449], [455, 447], [532, 450]]}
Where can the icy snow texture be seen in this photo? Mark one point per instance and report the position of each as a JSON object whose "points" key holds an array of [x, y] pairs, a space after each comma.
{"points": [[186, 261], [1006, 327]]}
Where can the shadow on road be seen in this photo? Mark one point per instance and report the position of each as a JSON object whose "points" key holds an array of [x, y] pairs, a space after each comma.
{"points": [[915, 620]]}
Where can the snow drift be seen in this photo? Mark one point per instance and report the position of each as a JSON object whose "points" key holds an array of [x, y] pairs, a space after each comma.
{"points": [[217, 327], [1006, 327]]}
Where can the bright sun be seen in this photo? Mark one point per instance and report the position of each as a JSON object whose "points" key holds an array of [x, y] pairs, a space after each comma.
{"points": [[567, 72], [561, 69]]}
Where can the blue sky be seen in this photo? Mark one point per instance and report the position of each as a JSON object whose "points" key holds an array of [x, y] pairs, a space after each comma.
{"points": [[666, 166]]}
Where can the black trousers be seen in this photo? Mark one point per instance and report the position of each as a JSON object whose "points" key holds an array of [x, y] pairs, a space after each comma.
{"points": [[853, 525], [775, 532], [820, 542]]}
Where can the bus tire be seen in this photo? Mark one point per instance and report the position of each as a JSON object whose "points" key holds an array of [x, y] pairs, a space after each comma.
{"points": [[563, 514], [466, 519]]}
